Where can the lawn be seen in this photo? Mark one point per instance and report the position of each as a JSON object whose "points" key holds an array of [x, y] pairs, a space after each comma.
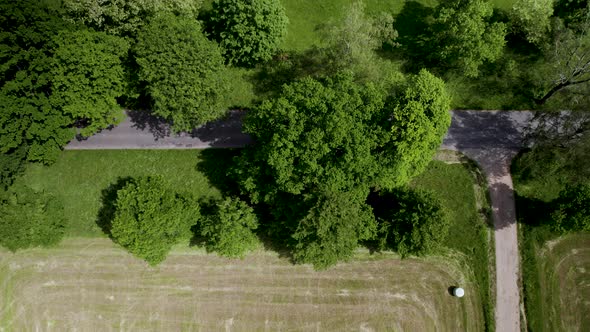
{"points": [[78, 178], [90, 284], [462, 190]]}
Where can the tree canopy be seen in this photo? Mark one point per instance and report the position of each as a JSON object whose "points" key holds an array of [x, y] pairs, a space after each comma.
{"points": [[332, 229], [183, 72], [249, 32], [228, 231], [465, 36], [572, 212], [326, 142], [124, 17], [411, 222], [150, 218], [533, 19], [29, 218], [87, 78]]}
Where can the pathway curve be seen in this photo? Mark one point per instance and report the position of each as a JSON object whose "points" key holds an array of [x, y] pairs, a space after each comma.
{"points": [[490, 138]]}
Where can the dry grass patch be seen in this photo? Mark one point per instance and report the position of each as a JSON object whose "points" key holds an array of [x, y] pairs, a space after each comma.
{"points": [[90, 284]]}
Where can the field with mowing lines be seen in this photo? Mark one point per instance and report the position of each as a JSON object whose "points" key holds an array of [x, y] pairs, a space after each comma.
{"points": [[90, 284], [563, 267]]}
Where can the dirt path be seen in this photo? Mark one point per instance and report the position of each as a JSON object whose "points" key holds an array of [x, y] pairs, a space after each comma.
{"points": [[491, 138]]}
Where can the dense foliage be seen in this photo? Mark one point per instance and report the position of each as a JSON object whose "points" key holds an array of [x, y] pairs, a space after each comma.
{"points": [[332, 229], [12, 164], [465, 36], [150, 218], [183, 72], [411, 222], [228, 231], [572, 212], [29, 218], [533, 19], [124, 17], [249, 31], [323, 143], [87, 77]]}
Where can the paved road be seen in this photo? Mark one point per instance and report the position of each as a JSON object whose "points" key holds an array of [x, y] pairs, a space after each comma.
{"points": [[490, 138]]}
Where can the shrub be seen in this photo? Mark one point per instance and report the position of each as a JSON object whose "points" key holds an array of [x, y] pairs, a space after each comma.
{"points": [[30, 218], [150, 218], [572, 212]]}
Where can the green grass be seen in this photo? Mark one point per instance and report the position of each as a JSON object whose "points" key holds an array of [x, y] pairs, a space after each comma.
{"points": [[79, 177], [554, 284], [469, 234]]}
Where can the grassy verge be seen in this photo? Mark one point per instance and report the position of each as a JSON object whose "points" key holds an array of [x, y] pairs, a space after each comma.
{"points": [[555, 284], [462, 191], [79, 177]]}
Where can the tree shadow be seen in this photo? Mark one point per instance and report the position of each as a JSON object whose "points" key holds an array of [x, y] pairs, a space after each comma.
{"points": [[413, 24], [216, 165], [533, 212], [224, 132], [143, 120], [208, 207], [106, 214]]}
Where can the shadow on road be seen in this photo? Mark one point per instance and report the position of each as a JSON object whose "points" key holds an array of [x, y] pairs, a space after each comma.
{"points": [[225, 132], [143, 120]]}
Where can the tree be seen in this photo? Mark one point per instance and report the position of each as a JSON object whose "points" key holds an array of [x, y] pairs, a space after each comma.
{"points": [[124, 17], [418, 122], [88, 77], [533, 19], [351, 43], [332, 229], [568, 59], [572, 212], [26, 114], [414, 222], [150, 218], [464, 35], [249, 31], [182, 70], [229, 230], [322, 144], [318, 135], [30, 218]]}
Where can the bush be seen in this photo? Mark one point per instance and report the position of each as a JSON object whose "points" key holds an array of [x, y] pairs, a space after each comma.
{"points": [[228, 231], [150, 218], [572, 211], [30, 218], [413, 223], [249, 31]]}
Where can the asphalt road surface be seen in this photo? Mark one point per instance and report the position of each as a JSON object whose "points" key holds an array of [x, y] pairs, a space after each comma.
{"points": [[490, 138]]}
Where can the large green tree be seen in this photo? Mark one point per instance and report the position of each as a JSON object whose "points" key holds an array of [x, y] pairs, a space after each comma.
{"points": [[572, 212], [229, 230], [150, 218], [465, 36], [87, 78], [183, 72], [249, 31], [533, 19], [323, 143], [29, 218]]}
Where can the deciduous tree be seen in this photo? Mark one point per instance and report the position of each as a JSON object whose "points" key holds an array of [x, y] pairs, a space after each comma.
{"points": [[228, 231], [150, 218], [533, 19], [465, 36], [30, 218], [183, 72], [249, 31]]}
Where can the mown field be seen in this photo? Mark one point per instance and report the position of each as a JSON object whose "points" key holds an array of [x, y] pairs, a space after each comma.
{"points": [[90, 284], [562, 301]]}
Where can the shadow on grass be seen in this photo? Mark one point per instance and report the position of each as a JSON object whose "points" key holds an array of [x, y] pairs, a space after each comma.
{"points": [[106, 214], [216, 164]]}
